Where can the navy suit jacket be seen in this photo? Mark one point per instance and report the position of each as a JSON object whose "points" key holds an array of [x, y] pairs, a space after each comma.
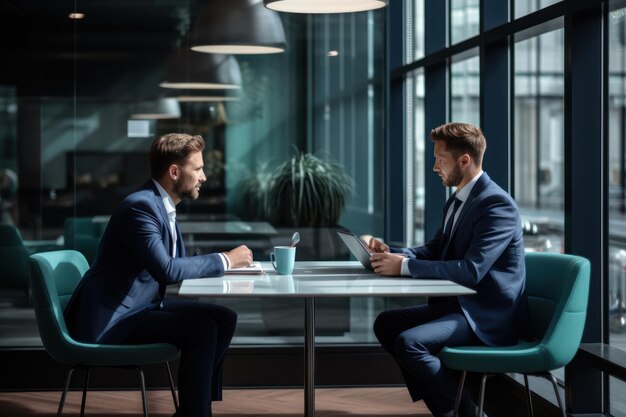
{"points": [[485, 253], [132, 267]]}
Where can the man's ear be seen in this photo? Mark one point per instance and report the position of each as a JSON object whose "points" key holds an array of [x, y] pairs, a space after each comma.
{"points": [[173, 171], [465, 160]]}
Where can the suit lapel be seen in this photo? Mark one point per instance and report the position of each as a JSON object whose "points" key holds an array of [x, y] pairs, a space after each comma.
{"points": [[180, 247], [478, 187]]}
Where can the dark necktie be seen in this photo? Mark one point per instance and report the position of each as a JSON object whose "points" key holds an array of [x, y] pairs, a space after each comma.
{"points": [[448, 229]]}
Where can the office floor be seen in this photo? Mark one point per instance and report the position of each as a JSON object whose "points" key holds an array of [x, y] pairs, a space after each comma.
{"points": [[330, 402]]}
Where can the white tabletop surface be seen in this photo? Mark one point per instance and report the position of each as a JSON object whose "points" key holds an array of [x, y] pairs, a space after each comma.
{"points": [[227, 227], [319, 279]]}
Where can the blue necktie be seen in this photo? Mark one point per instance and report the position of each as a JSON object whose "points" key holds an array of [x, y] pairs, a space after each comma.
{"points": [[448, 229]]}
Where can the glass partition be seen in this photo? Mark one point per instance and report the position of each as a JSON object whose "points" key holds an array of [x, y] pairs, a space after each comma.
{"points": [[84, 98]]}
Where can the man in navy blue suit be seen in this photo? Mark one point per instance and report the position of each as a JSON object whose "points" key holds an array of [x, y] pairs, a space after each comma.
{"points": [[480, 246], [120, 300]]}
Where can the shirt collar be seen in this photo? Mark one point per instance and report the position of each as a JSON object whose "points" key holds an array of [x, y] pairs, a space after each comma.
{"points": [[465, 191], [170, 207]]}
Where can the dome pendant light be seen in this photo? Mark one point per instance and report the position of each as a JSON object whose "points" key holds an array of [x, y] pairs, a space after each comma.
{"points": [[186, 69], [324, 6], [237, 27]]}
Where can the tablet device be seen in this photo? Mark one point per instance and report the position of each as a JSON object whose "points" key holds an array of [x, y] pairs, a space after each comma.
{"points": [[357, 247]]}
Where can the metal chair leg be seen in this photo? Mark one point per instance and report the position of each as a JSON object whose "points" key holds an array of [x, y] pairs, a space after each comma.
{"points": [[531, 412], [556, 393], [82, 405], [142, 380], [67, 386], [169, 374], [481, 401], [459, 394]]}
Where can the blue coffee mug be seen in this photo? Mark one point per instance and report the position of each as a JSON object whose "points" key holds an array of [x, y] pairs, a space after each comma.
{"points": [[283, 258]]}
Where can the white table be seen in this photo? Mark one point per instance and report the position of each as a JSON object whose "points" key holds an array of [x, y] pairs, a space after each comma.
{"points": [[311, 280]]}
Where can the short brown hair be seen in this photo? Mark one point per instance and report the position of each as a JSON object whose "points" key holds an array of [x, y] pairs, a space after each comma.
{"points": [[461, 138], [173, 148]]}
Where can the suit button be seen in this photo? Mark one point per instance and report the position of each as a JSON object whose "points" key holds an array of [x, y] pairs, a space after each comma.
{"points": [[156, 300]]}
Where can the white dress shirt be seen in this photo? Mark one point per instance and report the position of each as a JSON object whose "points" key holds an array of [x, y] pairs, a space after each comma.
{"points": [[462, 195]]}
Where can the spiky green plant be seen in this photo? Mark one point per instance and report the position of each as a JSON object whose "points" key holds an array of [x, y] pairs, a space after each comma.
{"points": [[304, 191]]}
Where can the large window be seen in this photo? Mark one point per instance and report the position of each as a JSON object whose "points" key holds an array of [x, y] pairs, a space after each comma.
{"points": [[538, 150], [420, 160], [465, 88], [464, 19], [616, 176]]}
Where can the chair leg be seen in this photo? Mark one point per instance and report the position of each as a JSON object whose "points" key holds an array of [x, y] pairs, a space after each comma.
{"points": [[82, 405], [144, 401], [481, 400], [459, 394], [556, 392], [169, 374], [67, 386], [531, 412]]}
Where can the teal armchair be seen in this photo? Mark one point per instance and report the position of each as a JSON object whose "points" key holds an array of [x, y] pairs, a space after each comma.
{"points": [[54, 276], [558, 288]]}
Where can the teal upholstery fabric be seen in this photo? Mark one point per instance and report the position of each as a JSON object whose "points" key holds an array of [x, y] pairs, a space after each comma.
{"points": [[54, 276], [15, 272], [558, 289]]}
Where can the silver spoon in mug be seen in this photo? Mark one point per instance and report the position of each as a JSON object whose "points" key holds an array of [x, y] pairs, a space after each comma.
{"points": [[295, 239]]}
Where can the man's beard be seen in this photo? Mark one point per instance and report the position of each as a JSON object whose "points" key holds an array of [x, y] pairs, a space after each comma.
{"points": [[454, 178], [183, 194]]}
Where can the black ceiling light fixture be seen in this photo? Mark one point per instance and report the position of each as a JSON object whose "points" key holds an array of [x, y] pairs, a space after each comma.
{"points": [[324, 6], [237, 27], [156, 109], [186, 69]]}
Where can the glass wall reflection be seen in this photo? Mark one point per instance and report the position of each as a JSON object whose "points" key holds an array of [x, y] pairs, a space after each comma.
{"points": [[83, 100]]}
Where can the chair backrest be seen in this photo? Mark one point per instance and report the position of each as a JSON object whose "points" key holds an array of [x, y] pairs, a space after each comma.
{"points": [[13, 258], [54, 277], [558, 288]]}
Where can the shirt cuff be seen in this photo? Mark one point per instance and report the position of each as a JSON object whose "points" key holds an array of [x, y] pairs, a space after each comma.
{"points": [[404, 269], [225, 261]]}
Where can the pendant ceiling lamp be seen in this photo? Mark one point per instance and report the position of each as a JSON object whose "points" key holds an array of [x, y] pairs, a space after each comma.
{"points": [[186, 69], [324, 6], [237, 27], [163, 108]]}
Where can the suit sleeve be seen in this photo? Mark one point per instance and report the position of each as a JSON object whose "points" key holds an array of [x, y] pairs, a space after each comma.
{"points": [[430, 250], [143, 237], [492, 231]]}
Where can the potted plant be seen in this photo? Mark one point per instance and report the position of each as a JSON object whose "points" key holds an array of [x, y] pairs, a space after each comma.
{"points": [[307, 191]]}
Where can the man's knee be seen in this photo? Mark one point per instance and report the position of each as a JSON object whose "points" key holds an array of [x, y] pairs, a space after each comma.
{"points": [[408, 348], [382, 324]]}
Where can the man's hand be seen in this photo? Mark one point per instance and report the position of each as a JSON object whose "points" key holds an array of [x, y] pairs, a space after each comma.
{"points": [[239, 257], [377, 246], [387, 263]]}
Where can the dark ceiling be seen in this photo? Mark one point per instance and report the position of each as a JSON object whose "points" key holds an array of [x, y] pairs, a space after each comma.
{"points": [[45, 52]]}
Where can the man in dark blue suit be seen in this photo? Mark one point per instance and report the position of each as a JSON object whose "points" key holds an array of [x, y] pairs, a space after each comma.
{"points": [[120, 300], [480, 246]]}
